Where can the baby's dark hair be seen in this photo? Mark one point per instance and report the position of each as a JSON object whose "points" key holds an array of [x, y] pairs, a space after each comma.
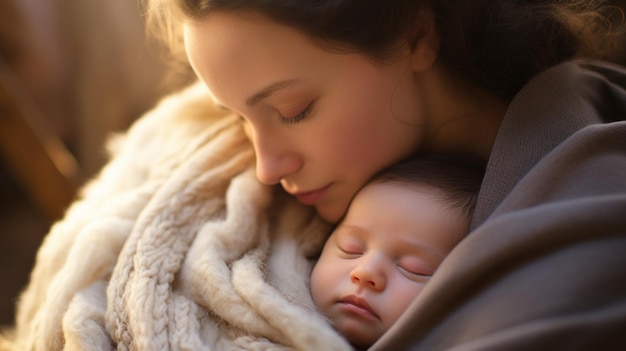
{"points": [[458, 178]]}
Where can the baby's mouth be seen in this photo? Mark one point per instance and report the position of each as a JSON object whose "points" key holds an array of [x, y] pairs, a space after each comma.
{"points": [[359, 306]]}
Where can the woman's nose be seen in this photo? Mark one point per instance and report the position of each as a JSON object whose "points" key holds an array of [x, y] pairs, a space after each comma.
{"points": [[369, 273], [275, 158]]}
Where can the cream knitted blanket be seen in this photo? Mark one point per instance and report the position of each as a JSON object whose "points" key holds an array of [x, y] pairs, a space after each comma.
{"points": [[176, 246]]}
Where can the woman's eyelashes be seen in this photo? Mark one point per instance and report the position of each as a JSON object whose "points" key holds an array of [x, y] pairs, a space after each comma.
{"points": [[290, 120]]}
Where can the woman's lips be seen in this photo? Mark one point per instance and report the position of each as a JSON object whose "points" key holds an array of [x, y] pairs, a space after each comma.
{"points": [[311, 197]]}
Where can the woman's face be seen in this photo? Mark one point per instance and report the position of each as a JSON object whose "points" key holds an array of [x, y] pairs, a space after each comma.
{"points": [[321, 123]]}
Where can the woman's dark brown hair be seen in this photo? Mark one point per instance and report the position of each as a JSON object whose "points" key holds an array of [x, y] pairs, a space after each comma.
{"points": [[497, 44]]}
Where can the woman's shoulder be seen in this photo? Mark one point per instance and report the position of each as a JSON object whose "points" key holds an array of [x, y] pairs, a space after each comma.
{"points": [[611, 71], [566, 108]]}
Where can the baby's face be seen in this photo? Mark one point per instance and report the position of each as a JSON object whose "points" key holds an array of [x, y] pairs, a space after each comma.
{"points": [[378, 259]]}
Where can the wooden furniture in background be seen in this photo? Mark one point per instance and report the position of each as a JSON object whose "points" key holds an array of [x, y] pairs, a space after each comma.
{"points": [[34, 154]]}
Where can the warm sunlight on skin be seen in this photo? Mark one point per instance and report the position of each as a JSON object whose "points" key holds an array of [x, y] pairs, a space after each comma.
{"points": [[321, 123], [392, 240]]}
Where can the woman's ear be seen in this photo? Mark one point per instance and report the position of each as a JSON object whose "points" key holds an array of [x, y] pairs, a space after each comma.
{"points": [[424, 42]]}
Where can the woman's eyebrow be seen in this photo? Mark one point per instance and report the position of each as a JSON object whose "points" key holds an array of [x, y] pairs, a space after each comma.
{"points": [[269, 90]]}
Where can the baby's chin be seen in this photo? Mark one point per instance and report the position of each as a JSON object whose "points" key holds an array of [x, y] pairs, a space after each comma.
{"points": [[359, 338]]}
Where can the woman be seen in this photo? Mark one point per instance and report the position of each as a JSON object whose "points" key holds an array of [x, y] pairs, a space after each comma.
{"points": [[331, 92]]}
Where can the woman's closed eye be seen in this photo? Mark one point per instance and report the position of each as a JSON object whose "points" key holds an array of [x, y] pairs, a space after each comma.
{"points": [[291, 120]]}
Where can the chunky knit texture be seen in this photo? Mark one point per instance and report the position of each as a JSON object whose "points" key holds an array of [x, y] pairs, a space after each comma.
{"points": [[176, 246]]}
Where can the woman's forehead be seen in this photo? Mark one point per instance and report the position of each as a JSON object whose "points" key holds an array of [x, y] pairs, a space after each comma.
{"points": [[246, 51]]}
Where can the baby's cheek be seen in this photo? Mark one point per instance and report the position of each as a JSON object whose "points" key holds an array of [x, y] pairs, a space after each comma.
{"points": [[319, 287], [403, 297]]}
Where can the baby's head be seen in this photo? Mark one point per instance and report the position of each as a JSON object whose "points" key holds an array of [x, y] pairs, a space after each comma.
{"points": [[396, 232]]}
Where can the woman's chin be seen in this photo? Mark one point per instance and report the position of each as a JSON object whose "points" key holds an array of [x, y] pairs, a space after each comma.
{"points": [[331, 214]]}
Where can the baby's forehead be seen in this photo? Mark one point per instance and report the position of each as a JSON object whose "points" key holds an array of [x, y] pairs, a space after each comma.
{"points": [[406, 207], [392, 206]]}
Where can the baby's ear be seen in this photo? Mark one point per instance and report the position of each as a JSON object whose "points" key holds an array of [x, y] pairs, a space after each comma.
{"points": [[424, 41]]}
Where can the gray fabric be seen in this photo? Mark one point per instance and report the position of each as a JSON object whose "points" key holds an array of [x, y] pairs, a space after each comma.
{"points": [[544, 267]]}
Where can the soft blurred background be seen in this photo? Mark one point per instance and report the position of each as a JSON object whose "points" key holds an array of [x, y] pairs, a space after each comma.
{"points": [[71, 73]]}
